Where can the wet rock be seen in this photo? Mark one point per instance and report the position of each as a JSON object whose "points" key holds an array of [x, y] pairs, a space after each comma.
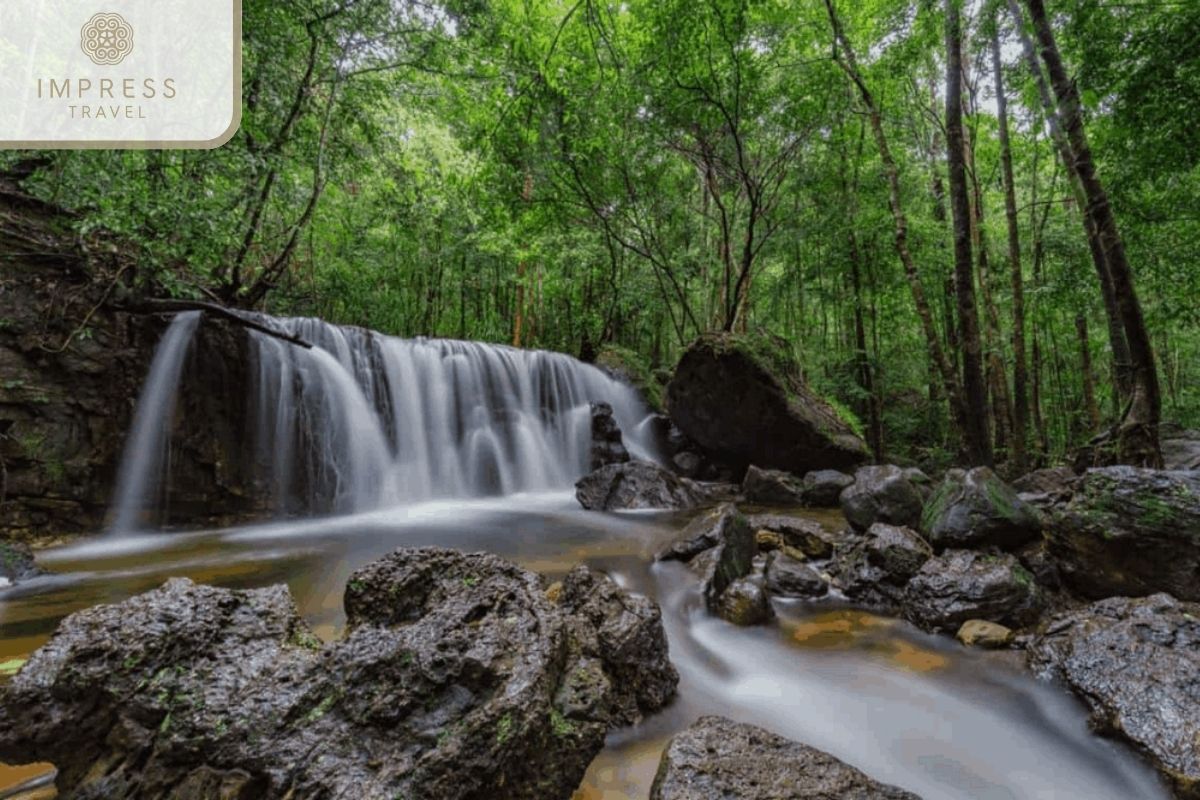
{"points": [[635, 484], [718, 759], [1035, 557], [607, 444], [772, 487], [1130, 531], [787, 577], [1136, 663], [16, 563], [975, 510], [688, 464], [732, 558], [744, 602], [457, 674], [981, 633], [881, 494], [961, 585], [875, 569], [917, 477], [743, 400], [800, 533], [1043, 488], [823, 487], [1180, 449], [705, 531]]}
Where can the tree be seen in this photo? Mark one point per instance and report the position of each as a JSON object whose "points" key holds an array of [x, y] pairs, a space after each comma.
{"points": [[976, 436], [1137, 434]]}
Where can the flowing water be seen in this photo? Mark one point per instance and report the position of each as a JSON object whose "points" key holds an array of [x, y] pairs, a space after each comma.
{"points": [[461, 445]]}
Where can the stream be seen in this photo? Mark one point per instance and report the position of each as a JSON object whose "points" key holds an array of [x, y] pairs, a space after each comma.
{"points": [[907, 708]]}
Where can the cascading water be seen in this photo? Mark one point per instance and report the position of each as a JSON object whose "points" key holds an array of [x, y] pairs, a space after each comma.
{"points": [[146, 455], [364, 421]]}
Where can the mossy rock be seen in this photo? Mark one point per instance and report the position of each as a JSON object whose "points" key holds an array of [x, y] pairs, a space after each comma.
{"points": [[1131, 532], [976, 509], [626, 365], [742, 397]]}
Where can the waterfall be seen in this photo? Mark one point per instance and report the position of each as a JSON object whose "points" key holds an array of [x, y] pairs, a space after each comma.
{"points": [[364, 421], [145, 459]]}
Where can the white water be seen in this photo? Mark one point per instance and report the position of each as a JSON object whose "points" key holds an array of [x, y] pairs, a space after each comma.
{"points": [[364, 421], [146, 458]]}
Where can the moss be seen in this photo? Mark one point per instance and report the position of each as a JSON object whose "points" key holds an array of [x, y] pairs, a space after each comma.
{"points": [[848, 417], [1022, 576], [1001, 499], [1155, 512], [937, 504], [770, 355], [322, 708], [635, 369], [504, 729], [302, 637], [560, 724], [356, 586]]}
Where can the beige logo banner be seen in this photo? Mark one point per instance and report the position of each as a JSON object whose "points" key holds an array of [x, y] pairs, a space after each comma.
{"points": [[127, 74]]}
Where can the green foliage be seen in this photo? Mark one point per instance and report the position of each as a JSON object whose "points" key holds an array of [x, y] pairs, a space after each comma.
{"points": [[620, 178]]}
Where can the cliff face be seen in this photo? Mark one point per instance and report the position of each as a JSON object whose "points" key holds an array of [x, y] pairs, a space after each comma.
{"points": [[71, 368]]}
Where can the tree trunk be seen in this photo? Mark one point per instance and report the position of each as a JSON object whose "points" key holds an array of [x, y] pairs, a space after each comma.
{"points": [[978, 444], [1137, 435], [849, 64], [1122, 361], [1089, 378], [1020, 376]]}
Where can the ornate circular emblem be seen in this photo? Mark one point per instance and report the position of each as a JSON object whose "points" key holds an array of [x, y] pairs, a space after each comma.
{"points": [[107, 38]]}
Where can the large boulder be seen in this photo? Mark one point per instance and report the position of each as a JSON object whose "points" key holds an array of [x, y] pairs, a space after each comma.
{"points": [[608, 446], [823, 487], [772, 487], [976, 509], [881, 494], [719, 759], [457, 674], [961, 585], [1130, 531], [1180, 449], [1136, 663], [742, 398], [875, 569], [635, 484], [1046, 487]]}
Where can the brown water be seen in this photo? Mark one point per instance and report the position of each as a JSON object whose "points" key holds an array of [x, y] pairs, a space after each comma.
{"points": [[911, 709]]}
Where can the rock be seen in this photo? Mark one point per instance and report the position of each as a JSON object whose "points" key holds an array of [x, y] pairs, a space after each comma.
{"points": [[1035, 557], [875, 569], [457, 674], [772, 487], [823, 487], [787, 577], [1180, 449], [917, 477], [744, 603], [635, 484], [981, 633], [688, 464], [607, 445], [1132, 532], [732, 558], [704, 532], [718, 759], [1136, 663], [742, 399], [961, 585], [16, 563], [805, 535], [975, 510], [1046, 487], [881, 494]]}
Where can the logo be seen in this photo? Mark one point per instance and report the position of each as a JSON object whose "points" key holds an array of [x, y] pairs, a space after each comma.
{"points": [[107, 39]]}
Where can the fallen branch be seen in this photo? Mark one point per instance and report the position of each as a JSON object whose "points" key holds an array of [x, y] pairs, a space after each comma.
{"points": [[158, 306]]}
